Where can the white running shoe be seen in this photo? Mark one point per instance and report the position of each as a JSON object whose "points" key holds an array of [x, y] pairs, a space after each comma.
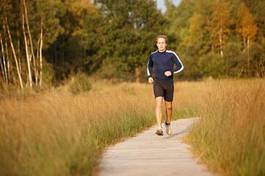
{"points": [[168, 128]]}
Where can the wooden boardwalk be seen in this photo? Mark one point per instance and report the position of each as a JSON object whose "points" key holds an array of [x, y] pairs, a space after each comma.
{"points": [[149, 155]]}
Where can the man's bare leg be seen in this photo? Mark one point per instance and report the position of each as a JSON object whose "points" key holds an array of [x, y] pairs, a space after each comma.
{"points": [[168, 105], [168, 119], [159, 101]]}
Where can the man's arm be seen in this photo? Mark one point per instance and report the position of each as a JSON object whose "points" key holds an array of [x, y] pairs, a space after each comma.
{"points": [[149, 67], [179, 66]]}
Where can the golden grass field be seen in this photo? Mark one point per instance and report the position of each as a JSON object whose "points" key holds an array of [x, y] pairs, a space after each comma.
{"points": [[230, 137], [58, 133]]}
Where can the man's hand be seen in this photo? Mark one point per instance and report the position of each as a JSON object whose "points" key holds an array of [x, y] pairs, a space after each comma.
{"points": [[168, 73], [150, 80]]}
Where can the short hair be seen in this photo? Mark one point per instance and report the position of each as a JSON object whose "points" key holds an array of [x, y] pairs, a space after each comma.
{"points": [[161, 36]]}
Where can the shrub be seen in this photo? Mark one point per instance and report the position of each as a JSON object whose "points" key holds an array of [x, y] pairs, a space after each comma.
{"points": [[79, 83]]}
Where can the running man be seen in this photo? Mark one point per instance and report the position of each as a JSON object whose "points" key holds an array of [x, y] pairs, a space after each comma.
{"points": [[161, 66]]}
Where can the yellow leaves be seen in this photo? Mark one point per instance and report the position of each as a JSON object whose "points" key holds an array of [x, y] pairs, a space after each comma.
{"points": [[221, 14], [218, 26], [219, 22], [78, 32], [79, 12], [196, 23], [246, 25], [78, 7]]}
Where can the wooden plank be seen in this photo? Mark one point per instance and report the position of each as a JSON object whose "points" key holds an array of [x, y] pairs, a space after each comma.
{"points": [[148, 154]]}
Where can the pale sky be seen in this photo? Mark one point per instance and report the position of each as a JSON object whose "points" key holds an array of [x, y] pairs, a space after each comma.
{"points": [[161, 4]]}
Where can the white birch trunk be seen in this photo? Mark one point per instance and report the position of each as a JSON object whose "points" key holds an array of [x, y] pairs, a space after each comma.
{"points": [[27, 51], [8, 62], [40, 52], [221, 42], [14, 55], [2, 61], [30, 41], [248, 48], [3, 64]]}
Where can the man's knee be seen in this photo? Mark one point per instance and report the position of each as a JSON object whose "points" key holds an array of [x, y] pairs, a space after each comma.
{"points": [[159, 99], [169, 105]]}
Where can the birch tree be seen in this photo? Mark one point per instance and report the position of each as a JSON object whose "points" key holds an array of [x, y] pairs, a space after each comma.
{"points": [[3, 61], [26, 43], [219, 26], [6, 26], [247, 29]]}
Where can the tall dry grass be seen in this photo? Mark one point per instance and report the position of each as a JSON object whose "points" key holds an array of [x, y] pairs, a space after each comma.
{"points": [[58, 133], [230, 137]]}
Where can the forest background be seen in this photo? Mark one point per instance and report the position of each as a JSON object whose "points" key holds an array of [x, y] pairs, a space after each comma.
{"points": [[45, 43]]}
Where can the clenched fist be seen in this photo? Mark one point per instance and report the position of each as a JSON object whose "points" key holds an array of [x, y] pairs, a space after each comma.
{"points": [[168, 73], [150, 80]]}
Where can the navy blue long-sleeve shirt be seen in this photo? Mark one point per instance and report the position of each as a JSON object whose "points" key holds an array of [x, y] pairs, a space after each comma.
{"points": [[160, 62]]}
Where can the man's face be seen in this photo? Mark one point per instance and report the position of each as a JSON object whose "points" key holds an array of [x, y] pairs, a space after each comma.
{"points": [[161, 44]]}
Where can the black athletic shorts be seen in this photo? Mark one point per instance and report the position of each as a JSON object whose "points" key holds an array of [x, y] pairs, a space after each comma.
{"points": [[164, 88]]}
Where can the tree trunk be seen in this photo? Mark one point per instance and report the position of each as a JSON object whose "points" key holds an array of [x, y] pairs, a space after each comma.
{"points": [[19, 53], [2, 74], [9, 76], [137, 72], [41, 45], [221, 43], [27, 51], [14, 55], [248, 61], [30, 41], [3, 63]]}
